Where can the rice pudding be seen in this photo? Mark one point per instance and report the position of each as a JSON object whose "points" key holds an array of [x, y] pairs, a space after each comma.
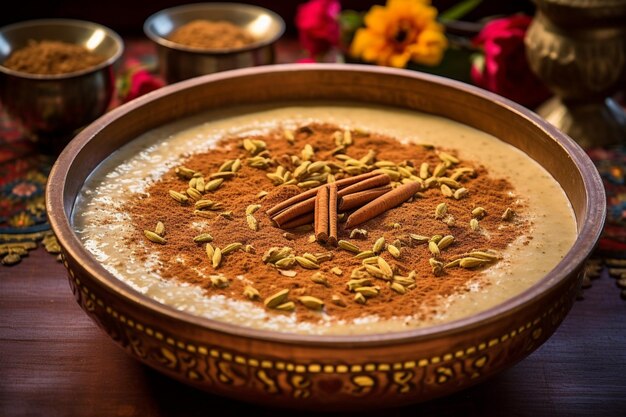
{"points": [[197, 209]]}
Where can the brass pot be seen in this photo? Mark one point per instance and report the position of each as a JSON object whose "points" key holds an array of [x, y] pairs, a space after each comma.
{"points": [[179, 62], [328, 372], [59, 104]]}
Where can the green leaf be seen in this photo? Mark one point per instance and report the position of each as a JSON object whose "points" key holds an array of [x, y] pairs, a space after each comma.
{"points": [[459, 10], [456, 64], [351, 20]]}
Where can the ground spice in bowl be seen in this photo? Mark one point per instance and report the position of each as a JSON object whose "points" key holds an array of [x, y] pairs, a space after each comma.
{"points": [[208, 223], [52, 57], [207, 34]]}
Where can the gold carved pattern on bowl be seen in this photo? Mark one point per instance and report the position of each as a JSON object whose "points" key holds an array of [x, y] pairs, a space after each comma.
{"points": [[211, 365]]}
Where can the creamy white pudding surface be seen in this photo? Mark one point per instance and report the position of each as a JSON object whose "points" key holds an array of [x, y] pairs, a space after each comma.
{"points": [[102, 225]]}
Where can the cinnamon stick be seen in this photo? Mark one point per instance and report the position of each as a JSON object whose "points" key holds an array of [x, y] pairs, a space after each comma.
{"points": [[299, 221], [308, 205], [383, 203], [376, 181], [360, 198], [332, 214], [313, 191], [321, 214], [296, 210]]}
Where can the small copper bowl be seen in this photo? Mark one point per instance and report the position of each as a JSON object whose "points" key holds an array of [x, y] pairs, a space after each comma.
{"points": [[328, 372], [179, 62], [59, 104]]}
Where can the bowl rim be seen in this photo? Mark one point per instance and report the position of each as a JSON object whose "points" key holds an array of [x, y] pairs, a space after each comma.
{"points": [[117, 39], [588, 233], [166, 43]]}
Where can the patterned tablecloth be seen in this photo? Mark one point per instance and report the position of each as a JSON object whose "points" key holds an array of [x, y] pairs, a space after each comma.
{"points": [[24, 169]]}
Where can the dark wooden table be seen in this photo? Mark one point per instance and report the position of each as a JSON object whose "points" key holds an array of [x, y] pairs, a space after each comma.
{"points": [[54, 361]]}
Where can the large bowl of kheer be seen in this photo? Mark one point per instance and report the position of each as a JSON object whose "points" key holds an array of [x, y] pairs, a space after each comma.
{"points": [[331, 237]]}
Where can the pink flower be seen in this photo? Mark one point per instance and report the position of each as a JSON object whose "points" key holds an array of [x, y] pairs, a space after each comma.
{"points": [[142, 82], [137, 80], [318, 25], [505, 69]]}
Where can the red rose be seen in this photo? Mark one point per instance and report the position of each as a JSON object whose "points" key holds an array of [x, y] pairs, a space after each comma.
{"points": [[136, 81], [142, 82], [318, 25], [505, 70]]}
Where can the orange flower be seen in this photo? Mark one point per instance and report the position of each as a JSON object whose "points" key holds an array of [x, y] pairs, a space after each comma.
{"points": [[401, 31]]}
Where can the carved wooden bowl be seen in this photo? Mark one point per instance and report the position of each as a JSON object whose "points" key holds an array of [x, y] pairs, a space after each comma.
{"points": [[327, 372]]}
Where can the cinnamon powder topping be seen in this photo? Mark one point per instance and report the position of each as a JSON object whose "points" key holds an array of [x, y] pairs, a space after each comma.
{"points": [[406, 255]]}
